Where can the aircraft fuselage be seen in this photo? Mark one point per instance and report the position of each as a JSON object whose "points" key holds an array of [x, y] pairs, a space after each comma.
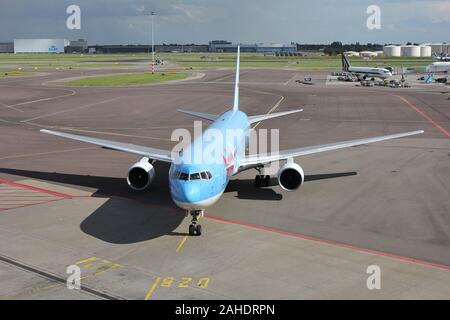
{"points": [[203, 169]]}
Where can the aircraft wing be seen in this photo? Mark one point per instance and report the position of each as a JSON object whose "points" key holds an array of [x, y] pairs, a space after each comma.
{"points": [[253, 161], [206, 116], [152, 153]]}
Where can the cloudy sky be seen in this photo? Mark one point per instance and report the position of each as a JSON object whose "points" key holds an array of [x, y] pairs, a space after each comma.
{"points": [[244, 21]]}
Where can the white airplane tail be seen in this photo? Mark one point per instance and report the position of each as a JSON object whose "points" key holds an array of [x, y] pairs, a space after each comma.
{"points": [[236, 85], [345, 63]]}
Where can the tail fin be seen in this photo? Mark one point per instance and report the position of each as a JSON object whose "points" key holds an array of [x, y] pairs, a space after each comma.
{"points": [[236, 85], [345, 63]]}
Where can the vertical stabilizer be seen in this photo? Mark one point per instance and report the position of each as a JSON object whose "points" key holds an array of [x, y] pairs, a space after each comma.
{"points": [[345, 63], [236, 85]]}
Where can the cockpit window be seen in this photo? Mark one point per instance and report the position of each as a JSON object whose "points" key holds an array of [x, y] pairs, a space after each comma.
{"points": [[195, 176], [184, 176], [175, 174], [204, 175]]}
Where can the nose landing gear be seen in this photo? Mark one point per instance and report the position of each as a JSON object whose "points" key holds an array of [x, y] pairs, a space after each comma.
{"points": [[195, 229]]}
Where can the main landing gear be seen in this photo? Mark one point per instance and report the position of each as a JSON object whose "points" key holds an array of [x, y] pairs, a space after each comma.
{"points": [[262, 181], [195, 229]]}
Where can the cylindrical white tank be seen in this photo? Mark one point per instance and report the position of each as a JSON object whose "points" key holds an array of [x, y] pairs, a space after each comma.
{"points": [[425, 51], [411, 51], [392, 51]]}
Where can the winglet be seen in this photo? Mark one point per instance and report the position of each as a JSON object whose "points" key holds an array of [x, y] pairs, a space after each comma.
{"points": [[236, 85]]}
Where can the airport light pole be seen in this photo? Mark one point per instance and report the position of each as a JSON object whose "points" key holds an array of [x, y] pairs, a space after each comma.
{"points": [[153, 43]]}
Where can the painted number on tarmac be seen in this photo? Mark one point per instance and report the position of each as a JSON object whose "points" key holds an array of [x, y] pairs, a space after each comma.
{"points": [[171, 282], [168, 282]]}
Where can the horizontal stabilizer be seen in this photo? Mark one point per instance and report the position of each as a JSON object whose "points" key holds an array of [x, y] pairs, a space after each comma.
{"points": [[262, 117], [205, 116]]}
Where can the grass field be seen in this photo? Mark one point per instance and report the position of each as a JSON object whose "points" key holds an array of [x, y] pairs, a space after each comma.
{"points": [[197, 60], [129, 79]]}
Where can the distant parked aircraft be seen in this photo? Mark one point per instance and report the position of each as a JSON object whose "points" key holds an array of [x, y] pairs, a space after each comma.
{"points": [[365, 72], [439, 66]]}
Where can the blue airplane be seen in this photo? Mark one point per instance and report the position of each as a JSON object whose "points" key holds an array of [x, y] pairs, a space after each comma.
{"points": [[200, 172]]}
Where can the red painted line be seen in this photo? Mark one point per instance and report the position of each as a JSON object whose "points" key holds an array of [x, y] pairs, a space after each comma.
{"points": [[30, 204], [22, 192], [22, 196], [426, 116], [333, 243], [20, 185], [15, 200]]}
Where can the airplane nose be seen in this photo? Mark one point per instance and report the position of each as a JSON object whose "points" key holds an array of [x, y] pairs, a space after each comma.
{"points": [[185, 191], [190, 193]]}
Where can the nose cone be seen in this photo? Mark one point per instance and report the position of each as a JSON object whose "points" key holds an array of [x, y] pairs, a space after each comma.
{"points": [[185, 192], [190, 193]]}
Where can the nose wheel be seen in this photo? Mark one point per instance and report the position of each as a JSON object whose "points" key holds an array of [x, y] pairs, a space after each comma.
{"points": [[195, 229]]}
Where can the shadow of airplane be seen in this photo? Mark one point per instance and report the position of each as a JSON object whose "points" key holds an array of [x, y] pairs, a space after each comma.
{"points": [[130, 217], [127, 216], [247, 191]]}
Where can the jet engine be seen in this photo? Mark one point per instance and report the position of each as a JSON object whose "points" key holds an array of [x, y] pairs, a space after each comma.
{"points": [[291, 176], [141, 174]]}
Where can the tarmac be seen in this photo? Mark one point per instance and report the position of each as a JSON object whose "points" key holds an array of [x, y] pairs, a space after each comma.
{"points": [[65, 203]]}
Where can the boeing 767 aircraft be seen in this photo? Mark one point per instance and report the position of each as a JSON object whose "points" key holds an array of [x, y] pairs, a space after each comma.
{"points": [[196, 185]]}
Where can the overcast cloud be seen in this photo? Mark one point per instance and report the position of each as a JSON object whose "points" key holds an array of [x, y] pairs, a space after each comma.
{"points": [[245, 21]]}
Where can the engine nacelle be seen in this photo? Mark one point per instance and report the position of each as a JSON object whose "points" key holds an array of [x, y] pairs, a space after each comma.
{"points": [[291, 176], [141, 174]]}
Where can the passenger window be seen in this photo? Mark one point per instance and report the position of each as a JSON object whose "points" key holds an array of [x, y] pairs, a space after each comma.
{"points": [[195, 176], [209, 175], [184, 176], [204, 176]]}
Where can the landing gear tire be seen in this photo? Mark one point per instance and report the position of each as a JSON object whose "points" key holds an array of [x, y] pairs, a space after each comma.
{"points": [[194, 228], [262, 181], [198, 230], [267, 181], [258, 181]]}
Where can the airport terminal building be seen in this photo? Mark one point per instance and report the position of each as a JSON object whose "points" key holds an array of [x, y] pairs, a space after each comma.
{"points": [[40, 45], [225, 46]]}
